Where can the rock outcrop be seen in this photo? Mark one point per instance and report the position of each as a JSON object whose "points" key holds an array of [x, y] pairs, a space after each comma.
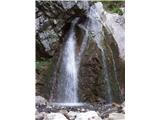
{"points": [[101, 49]]}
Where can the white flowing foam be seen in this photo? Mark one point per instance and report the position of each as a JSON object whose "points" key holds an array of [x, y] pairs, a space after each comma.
{"points": [[68, 104], [67, 83]]}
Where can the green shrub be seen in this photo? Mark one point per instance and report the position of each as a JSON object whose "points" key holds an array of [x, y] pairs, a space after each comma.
{"points": [[113, 6]]}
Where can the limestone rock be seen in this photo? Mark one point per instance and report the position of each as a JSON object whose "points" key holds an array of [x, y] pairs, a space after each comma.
{"points": [[40, 116], [68, 4], [116, 116], [90, 115], [116, 23], [123, 107], [72, 115], [63, 112], [40, 101], [84, 5], [55, 116]]}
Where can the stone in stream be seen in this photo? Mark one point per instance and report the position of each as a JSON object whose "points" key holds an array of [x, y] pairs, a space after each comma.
{"points": [[123, 107], [116, 116], [40, 116], [63, 111], [55, 116], [90, 115], [72, 115], [79, 113]]}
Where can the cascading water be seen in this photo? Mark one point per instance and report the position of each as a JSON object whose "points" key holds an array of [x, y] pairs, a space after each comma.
{"points": [[116, 78], [106, 76], [67, 80], [84, 43], [67, 83], [69, 68], [79, 59], [96, 31]]}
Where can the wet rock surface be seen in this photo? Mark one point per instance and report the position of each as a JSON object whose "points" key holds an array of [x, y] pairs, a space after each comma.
{"points": [[53, 20], [48, 111]]}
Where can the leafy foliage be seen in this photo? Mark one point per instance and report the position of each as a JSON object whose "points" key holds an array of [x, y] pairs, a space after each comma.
{"points": [[114, 6]]}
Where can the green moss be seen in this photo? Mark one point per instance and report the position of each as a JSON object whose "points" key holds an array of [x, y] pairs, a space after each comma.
{"points": [[40, 65]]}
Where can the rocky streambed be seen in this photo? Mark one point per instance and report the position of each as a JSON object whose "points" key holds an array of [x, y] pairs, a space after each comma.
{"points": [[98, 111]]}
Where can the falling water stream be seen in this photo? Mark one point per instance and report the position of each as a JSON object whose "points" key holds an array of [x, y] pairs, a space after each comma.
{"points": [[106, 77], [67, 89], [68, 81], [67, 84], [96, 31]]}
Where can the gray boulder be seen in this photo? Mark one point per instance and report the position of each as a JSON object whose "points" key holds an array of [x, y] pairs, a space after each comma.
{"points": [[90, 115], [116, 116], [41, 101], [54, 116]]}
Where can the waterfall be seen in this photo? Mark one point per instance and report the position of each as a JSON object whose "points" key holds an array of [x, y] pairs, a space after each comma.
{"points": [[83, 62], [105, 69], [68, 81], [95, 28], [106, 78], [84, 43], [67, 86], [116, 77]]}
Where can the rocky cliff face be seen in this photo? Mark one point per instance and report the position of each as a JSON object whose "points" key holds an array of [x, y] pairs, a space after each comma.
{"points": [[99, 39]]}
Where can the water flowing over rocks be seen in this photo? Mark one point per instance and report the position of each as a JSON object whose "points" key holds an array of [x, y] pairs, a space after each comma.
{"points": [[101, 43], [84, 112], [100, 57]]}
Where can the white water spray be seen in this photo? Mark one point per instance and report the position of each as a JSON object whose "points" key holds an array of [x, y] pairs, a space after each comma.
{"points": [[67, 84]]}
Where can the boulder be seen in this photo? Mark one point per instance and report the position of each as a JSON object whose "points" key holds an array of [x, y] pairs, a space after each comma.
{"points": [[40, 101], [72, 115], [40, 116], [116, 116], [90, 115], [54, 116], [123, 107]]}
